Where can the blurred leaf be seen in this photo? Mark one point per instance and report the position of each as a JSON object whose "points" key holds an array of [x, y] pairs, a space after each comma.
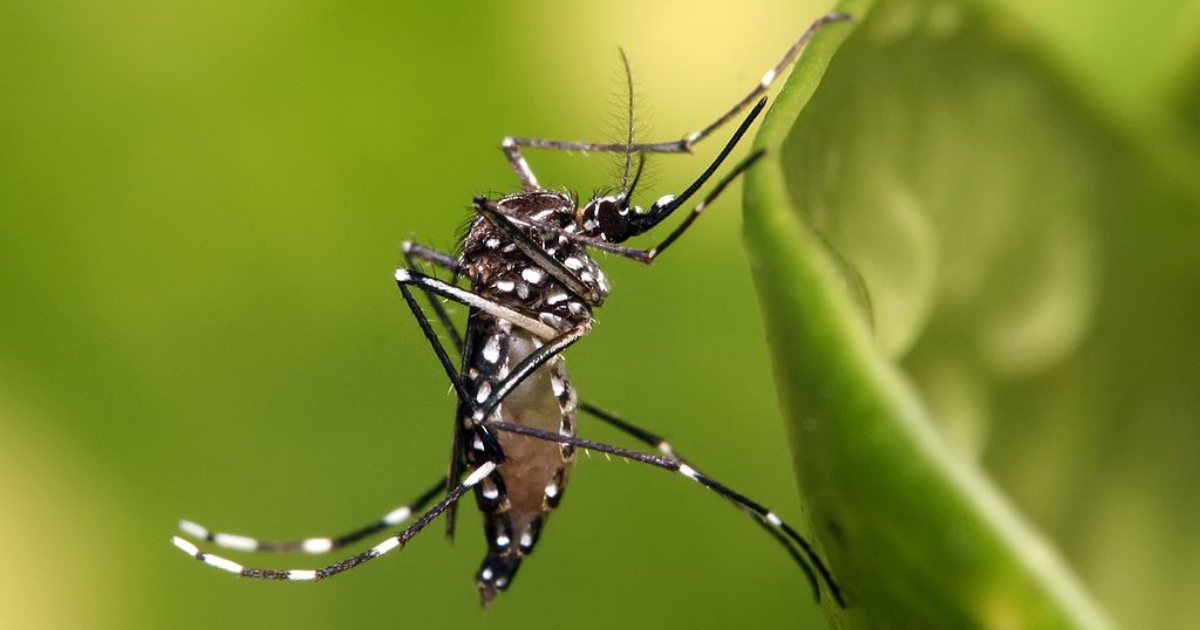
{"points": [[946, 259]]}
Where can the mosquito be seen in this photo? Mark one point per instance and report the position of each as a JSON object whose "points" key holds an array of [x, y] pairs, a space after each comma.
{"points": [[532, 286]]}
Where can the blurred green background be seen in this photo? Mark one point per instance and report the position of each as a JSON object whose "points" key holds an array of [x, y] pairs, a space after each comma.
{"points": [[202, 206]]}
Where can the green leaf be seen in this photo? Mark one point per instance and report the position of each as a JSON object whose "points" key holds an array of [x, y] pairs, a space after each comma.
{"points": [[932, 236]]}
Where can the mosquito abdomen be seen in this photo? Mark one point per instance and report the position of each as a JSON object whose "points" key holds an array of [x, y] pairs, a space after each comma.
{"points": [[518, 497]]}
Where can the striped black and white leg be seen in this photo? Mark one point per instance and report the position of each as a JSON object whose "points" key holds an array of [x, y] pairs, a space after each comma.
{"points": [[316, 544], [762, 512], [389, 544], [512, 145], [414, 252], [660, 444], [406, 277]]}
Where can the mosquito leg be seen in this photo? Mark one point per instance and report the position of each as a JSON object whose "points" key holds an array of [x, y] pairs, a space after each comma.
{"points": [[764, 514], [318, 544], [767, 79], [653, 440], [490, 446], [512, 150], [389, 544], [416, 251], [431, 336], [512, 145], [660, 444], [408, 277], [413, 251]]}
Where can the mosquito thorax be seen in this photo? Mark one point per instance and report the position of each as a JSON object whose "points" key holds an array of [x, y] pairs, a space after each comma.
{"points": [[506, 273]]}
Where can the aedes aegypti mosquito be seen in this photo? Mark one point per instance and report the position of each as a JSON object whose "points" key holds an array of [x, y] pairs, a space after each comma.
{"points": [[533, 286]]}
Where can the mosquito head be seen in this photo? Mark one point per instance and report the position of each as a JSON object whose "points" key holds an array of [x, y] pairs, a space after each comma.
{"points": [[614, 218], [609, 218]]}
